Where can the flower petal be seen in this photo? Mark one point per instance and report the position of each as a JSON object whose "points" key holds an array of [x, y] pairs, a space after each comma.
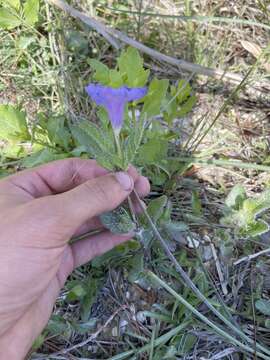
{"points": [[114, 100], [134, 94], [116, 114], [96, 92]]}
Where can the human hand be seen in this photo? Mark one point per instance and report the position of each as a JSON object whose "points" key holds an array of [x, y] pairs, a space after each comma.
{"points": [[41, 209]]}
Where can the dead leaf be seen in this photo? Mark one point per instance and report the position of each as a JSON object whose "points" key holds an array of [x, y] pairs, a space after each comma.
{"points": [[256, 51]]}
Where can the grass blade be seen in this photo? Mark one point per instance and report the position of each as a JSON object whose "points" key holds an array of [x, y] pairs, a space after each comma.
{"points": [[203, 318]]}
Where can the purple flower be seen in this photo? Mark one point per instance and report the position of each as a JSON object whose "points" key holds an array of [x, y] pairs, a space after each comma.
{"points": [[114, 100]]}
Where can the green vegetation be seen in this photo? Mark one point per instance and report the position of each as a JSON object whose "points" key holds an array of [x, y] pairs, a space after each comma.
{"points": [[203, 143]]}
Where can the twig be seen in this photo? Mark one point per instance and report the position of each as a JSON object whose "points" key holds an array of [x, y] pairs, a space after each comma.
{"points": [[252, 256], [222, 354], [92, 337], [100, 28], [110, 34], [225, 163]]}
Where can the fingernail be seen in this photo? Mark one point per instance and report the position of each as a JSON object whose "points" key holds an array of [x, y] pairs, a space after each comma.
{"points": [[125, 180]]}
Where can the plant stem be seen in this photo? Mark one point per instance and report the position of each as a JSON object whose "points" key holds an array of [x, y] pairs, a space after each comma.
{"points": [[120, 154], [117, 144], [133, 116], [190, 283]]}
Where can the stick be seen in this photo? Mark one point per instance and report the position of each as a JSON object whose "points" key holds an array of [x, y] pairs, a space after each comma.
{"points": [[111, 34], [252, 256], [100, 28]]}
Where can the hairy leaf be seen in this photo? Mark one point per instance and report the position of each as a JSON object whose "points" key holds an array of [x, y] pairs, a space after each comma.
{"points": [[118, 221], [236, 197], [133, 142], [157, 207]]}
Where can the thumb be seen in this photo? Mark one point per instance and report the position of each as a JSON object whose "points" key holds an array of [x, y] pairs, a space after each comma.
{"points": [[93, 198]]}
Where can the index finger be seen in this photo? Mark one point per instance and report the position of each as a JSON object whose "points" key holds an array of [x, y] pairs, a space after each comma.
{"points": [[60, 176], [55, 177]]}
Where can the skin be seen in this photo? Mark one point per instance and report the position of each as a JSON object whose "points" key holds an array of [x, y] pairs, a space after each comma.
{"points": [[41, 209]]}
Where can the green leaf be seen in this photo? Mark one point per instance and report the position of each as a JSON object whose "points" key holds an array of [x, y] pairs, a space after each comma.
{"points": [[175, 229], [236, 197], [116, 254], [153, 151], [102, 72], [196, 203], [256, 228], [187, 106], [263, 306], [118, 221], [183, 91], [171, 108], [179, 102], [58, 325], [187, 343], [58, 133], [31, 9], [13, 124], [92, 285], [8, 19], [133, 142], [156, 207], [136, 264], [89, 135], [98, 143], [131, 68], [245, 218], [77, 292], [257, 205], [13, 151], [38, 342], [15, 4], [41, 157], [25, 41], [155, 96], [115, 78], [103, 117]]}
